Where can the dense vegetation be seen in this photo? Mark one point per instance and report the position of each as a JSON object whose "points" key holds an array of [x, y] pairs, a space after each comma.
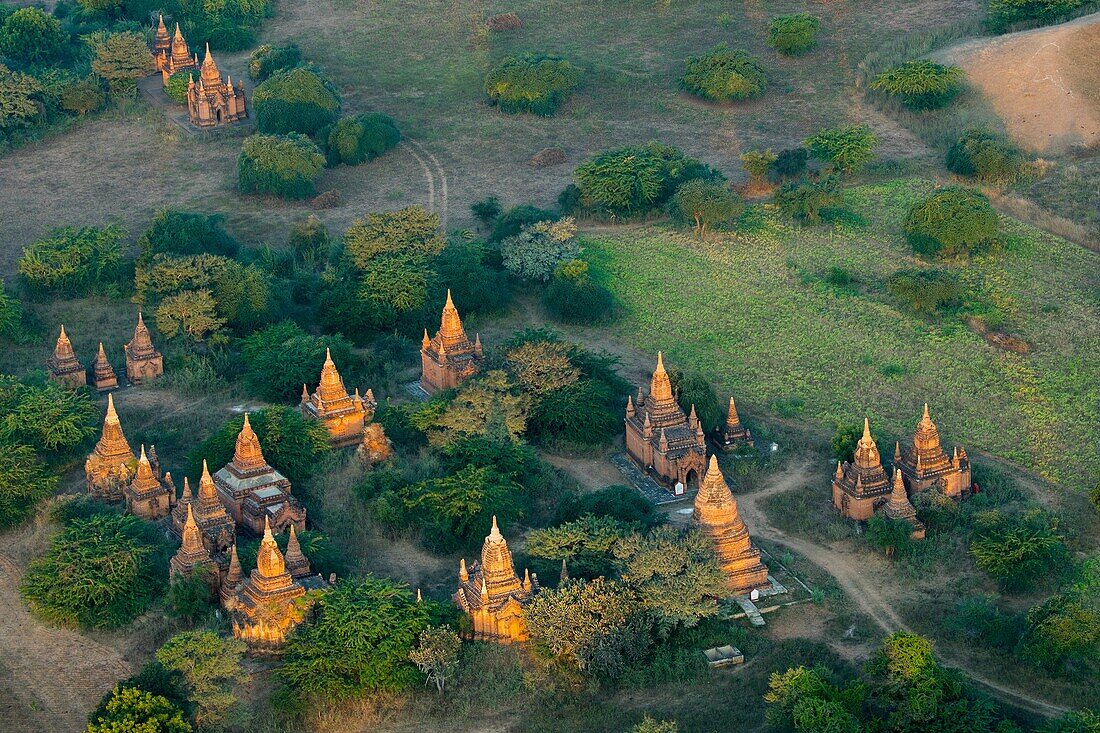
{"points": [[920, 84], [529, 83], [359, 139], [282, 166], [724, 75], [953, 222], [793, 35]]}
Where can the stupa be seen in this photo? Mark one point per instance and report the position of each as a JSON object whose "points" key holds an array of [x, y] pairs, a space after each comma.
{"points": [[146, 496], [253, 492], [899, 507], [925, 464], [111, 464], [143, 362], [717, 516], [63, 367], [103, 373], [734, 435], [342, 414], [861, 487]]}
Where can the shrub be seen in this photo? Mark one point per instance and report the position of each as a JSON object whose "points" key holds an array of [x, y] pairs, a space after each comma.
{"points": [[984, 156], [131, 709], [724, 75], [24, 480], [790, 162], [705, 204], [1019, 551], [806, 201], [920, 84], [281, 358], [952, 222], [83, 96], [121, 59], [29, 35], [757, 163], [267, 60], [535, 84], [47, 416], [11, 317], [191, 312], [848, 148], [295, 100], [99, 572], [73, 262], [577, 299], [178, 232], [475, 282], [925, 291], [536, 252], [209, 664], [1001, 14], [177, 85], [636, 179], [486, 210], [793, 35], [618, 502], [282, 166], [844, 441], [512, 221], [355, 140]]}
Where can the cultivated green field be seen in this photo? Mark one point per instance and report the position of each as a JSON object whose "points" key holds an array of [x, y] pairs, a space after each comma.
{"points": [[752, 310]]}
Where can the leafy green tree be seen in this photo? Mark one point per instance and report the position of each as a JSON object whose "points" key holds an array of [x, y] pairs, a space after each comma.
{"points": [[189, 596], [310, 242], [586, 413], [649, 725], [73, 262], [985, 156], [267, 60], [165, 275], [844, 441], [121, 59], [359, 139], [107, 7], [921, 84], [243, 295], [356, 640], [705, 204], [636, 179], [847, 148], [482, 404], [1076, 721], [412, 230], [281, 358], [807, 201], [11, 317], [130, 710], [1063, 633], [192, 312], [514, 220], [617, 502], [472, 273], [210, 664], [790, 162], [1002, 14], [793, 35], [757, 163], [295, 100], [21, 103], [530, 83], [285, 166], [436, 654], [539, 249], [926, 291], [100, 572], [45, 415], [952, 222], [724, 75], [178, 84], [486, 210], [889, 535], [462, 505], [29, 35], [587, 544], [542, 366], [693, 389], [24, 481], [84, 96]]}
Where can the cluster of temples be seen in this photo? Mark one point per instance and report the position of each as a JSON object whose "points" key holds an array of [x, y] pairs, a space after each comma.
{"points": [[211, 101], [143, 362], [861, 487]]}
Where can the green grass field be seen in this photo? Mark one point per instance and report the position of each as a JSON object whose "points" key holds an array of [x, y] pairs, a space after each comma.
{"points": [[751, 310]]}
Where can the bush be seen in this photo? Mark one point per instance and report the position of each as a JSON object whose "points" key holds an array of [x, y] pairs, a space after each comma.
{"points": [[535, 84], [807, 201], [295, 100], [486, 210], [73, 262], [1002, 14], [536, 252], [1019, 552], [793, 35], [282, 357], [847, 148], [636, 179], [267, 60], [572, 299], [83, 96], [29, 35], [47, 416], [790, 162], [209, 664], [984, 156], [724, 76], [24, 481], [705, 204], [177, 85], [623, 503], [99, 572], [130, 709], [925, 291], [281, 166], [513, 221], [177, 232], [952, 222], [920, 84], [475, 282], [355, 140]]}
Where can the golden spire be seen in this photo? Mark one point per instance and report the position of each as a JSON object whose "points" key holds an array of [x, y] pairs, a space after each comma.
{"points": [[732, 418], [866, 453], [207, 490], [112, 416], [101, 357], [235, 574], [714, 504], [269, 561], [866, 429], [839, 470], [187, 495], [484, 589], [192, 539], [463, 574], [425, 342], [450, 325], [305, 393], [144, 469], [63, 351], [897, 492], [331, 386], [247, 453], [292, 546], [660, 388], [629, 406], [494, 533], [419, 597]]}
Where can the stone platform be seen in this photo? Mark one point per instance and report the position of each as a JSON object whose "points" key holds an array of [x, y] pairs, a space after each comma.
{"points": [[644, 483]]}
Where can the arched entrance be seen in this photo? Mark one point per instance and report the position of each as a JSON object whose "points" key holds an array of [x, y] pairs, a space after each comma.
{"points": [[692, 480]]}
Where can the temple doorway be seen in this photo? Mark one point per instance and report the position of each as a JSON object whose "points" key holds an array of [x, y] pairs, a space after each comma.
{"points": [[692, 480]]}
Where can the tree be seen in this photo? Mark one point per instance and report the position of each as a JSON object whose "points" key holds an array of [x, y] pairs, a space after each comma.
{"points": [[757, 163], [11, 317], [889, 535], [281, 358], [1094, 497], [178, 232], [192, 312], [705, 204], [130, 710], [793, 35], [649, 725], [530, 83], [295, 100], [24, 481], [20, 101], [285, 166], [515, 219], [926, 291], [457, 508], [985, 156], [537, 251], [1076, 721], [411, 231], [636, 179], [807, 201], [795, 693], [31, 36], [587, 544], [952, 222], [73, 262], [121, 59], [847, 148], [1063, 633], [694, 390], [356, 640], [723, 75], [1003, 14], [844, 441], [481, 404], [486, 210], [84, 96], [310, 242], [542, 366], [921, 84], [267, 60], [210, 664], [107, 7], [47, 415], [617, 502], [436, 654], [178, 84], [573, 297], [189, 596], [100, 572], [359, 139]]}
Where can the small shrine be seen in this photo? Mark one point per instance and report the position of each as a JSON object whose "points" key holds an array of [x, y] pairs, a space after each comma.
{"points": [[111, 464], [146, 496], [925, 465], [342, 414], [63, 367], [192, 554], [171, 55], [734, 435], [103, 373], [448, 358], [491, 593], [899, 507], [861, 487], [716, 514], [143, 362], [212, 102], [217, 528]]}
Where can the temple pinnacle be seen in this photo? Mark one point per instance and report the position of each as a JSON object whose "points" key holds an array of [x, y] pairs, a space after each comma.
{"points": [[112, 416]]}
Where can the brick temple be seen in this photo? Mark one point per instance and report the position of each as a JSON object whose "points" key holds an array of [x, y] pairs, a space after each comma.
{"points": [[171, 55], [717, 516], [899, 507], [63, 367], [860, 487], [344, 415], [143, 362], [492, 594], [218, 530], [733, 434], [447, 359], [212, 102], [925, 465], [112, 463], [146, 495], [103, 374]]}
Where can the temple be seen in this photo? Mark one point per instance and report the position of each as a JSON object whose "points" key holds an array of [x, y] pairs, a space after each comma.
{"points": [[661, 439], [216, 526], [63, 367], [345, 416], [899, 507], [925, 464], [255, 493], [103, 373], [717, 516], [143, 362], [170, 56], [861, 487], [111, 464], [211, 101], [449, 358], [193, 553], [492, 595], [734, 434], [146, 496]]}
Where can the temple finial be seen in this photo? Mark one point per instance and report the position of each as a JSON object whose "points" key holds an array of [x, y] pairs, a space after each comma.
{"points": [[866, 428]]}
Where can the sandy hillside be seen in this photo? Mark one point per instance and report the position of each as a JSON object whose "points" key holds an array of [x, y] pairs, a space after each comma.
{"points": [[1045, 83]]}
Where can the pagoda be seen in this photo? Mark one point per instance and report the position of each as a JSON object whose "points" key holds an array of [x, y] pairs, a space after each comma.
{"points": [[146, 496], [111, 464], [343, 414], [211, 101], [143, 362], [192, 553], [734, 434], [263, 607], [899, 507], [661, 439], [63, 367], [861, 487], [170, 56], [297, 564], [492, 595], [231, 583], [448, 358], [925, 464], [255, 493], [217, 527], [103, 373], [717, 515]]}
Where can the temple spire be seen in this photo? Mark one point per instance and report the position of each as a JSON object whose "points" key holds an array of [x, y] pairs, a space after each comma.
{"points": [[866, 428], [660, 388], [192, 540], [235, 574], [463, 574]]}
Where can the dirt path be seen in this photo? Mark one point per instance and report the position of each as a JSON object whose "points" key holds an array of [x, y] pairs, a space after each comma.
{"points": [[859, 578], [56, 676], [433, 171]]}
